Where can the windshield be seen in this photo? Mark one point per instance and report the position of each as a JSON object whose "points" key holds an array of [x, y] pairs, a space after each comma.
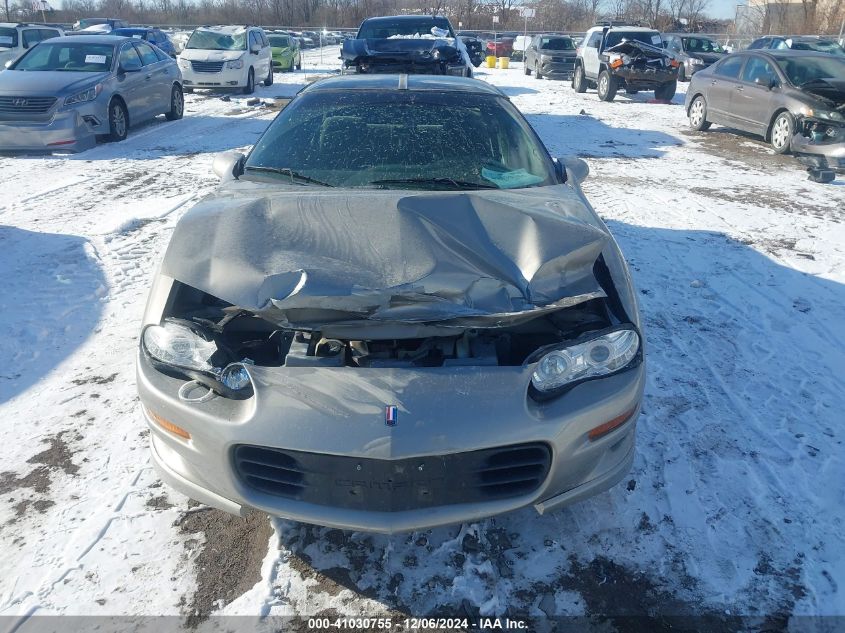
{"points": [[648, 37], [8, 37], [402, 139], [556, 44], [217, 41], [279, 41], [384, 29], [67, 56], [821, 46], [701, 45], [802, 70]]}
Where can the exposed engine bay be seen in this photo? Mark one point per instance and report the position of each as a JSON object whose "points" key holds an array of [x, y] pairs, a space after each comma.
{"points": [[640, 63]]}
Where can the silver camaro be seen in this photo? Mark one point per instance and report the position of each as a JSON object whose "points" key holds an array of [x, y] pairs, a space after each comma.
{"points": [[398, 311], [65, 92]]}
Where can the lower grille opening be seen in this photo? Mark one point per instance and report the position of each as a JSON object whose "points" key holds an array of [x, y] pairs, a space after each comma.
{"points": [[382, 485]]}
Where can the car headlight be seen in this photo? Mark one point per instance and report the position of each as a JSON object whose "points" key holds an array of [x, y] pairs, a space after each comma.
{"points": [[235, 63], [695, 61], [830, 115], [183, 63], [85, 95], [178, 347], [595, 357]]}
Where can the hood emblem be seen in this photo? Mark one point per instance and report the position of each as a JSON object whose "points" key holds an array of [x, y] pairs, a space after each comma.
{"points": [[391, 415], [20, 102]]}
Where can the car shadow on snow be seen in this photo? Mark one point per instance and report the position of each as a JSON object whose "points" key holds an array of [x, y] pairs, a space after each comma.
{"points": [[516, 91], [49, 303], [569, 135], [721, 514]]}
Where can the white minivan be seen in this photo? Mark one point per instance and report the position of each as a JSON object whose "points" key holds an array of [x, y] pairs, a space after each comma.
{"points": [[226, 57], [16, 39]]}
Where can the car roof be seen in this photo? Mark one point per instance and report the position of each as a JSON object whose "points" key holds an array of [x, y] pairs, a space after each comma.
{"points": [[786, 53], [420, 83], [92, 39], [228, 29], [405, 18]]}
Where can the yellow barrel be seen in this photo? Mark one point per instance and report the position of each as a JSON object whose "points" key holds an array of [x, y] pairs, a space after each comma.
{"points": [[491, 61], [503, 62]]}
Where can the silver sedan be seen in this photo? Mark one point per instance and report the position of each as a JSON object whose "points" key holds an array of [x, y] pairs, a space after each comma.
{"points": [[65, 92]]}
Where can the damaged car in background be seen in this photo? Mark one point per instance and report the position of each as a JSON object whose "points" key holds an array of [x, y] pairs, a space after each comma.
{"points": [[793, 99], [370, 328], [419, 44], [630, 57]]}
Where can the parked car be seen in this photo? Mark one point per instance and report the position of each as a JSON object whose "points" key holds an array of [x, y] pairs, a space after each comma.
{"points": [[798, 43], [500, 47], [550, 56], [286, 54], [630, 57], [226, 57], [475, 48], [112, 23], [406, 43], [64, 92], [693, 52], [291, 362], [16, 38], [793, 99], [156, 37]]}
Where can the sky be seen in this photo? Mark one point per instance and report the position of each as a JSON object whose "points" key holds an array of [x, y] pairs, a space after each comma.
{"points": [[722, 9]]}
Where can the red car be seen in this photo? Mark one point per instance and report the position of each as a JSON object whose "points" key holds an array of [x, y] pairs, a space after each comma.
{"points": [[503, 47]]}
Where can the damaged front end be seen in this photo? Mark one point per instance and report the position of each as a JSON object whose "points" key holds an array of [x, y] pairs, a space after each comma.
{"points": [[431, 56], [641, 65], [819, 140]]}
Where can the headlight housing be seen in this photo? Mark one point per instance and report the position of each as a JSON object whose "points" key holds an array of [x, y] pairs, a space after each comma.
{"points": [[182, 348], [86, 95], [597, 355], [183, 63], [235, 64], [695, 61]]}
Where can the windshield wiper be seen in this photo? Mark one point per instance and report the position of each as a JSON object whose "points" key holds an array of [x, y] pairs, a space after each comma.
{"points": [[457, 184], [287, 171]]}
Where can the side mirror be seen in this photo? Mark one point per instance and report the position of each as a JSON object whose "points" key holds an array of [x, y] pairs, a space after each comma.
{"points": [[128, 69], [576, 168], [227, 165], [768, 82], [254, 50]]}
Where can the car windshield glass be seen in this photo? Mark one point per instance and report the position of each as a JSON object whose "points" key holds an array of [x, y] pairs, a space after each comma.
{"points": [[67, 56], [648, 37], [8, 37], [217, 41], [701, 45], [820, 46], [279, 41], [402, 139], [384, 29], [802, 70], [556, 44]]}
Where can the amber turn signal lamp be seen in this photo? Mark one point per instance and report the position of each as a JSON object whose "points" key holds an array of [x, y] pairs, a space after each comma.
{"points": [[178, 431], [607, 427], [616, 63]]}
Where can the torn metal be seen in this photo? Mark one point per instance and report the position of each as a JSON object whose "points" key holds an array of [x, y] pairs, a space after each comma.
{"points": [[819, 142], [641, 63], [397, 263]]}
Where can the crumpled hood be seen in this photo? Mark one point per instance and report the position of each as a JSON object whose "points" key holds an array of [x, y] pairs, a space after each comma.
{"points": [[830, 89], [200, 55], [46, 83], [633, 46], [394, 47], [307, 258]]}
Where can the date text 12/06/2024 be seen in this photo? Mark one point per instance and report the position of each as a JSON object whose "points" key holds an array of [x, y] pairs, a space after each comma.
{"points": [[416, 624]]}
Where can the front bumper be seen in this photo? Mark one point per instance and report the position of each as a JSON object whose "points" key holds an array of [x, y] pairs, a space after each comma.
{"points": [[820, 144], [340, 412], [646, 79], [225, 78], [72, 130], [558, 70]]}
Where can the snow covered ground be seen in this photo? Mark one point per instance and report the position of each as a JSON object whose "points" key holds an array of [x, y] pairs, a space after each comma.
{"points": [[735, 502]]}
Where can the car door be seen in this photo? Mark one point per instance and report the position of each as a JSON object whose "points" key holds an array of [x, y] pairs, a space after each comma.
{"points": [[159, 76], [131, 82], [755, 99], [266, 51], [590, 55], [721, 84]]}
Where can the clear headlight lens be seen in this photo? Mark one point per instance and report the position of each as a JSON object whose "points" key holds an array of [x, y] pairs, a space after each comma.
{"points": [[235, 63], [601, 356], [695, 61], [85, 95], [183, 63], [235, 376], [178, 345]]}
